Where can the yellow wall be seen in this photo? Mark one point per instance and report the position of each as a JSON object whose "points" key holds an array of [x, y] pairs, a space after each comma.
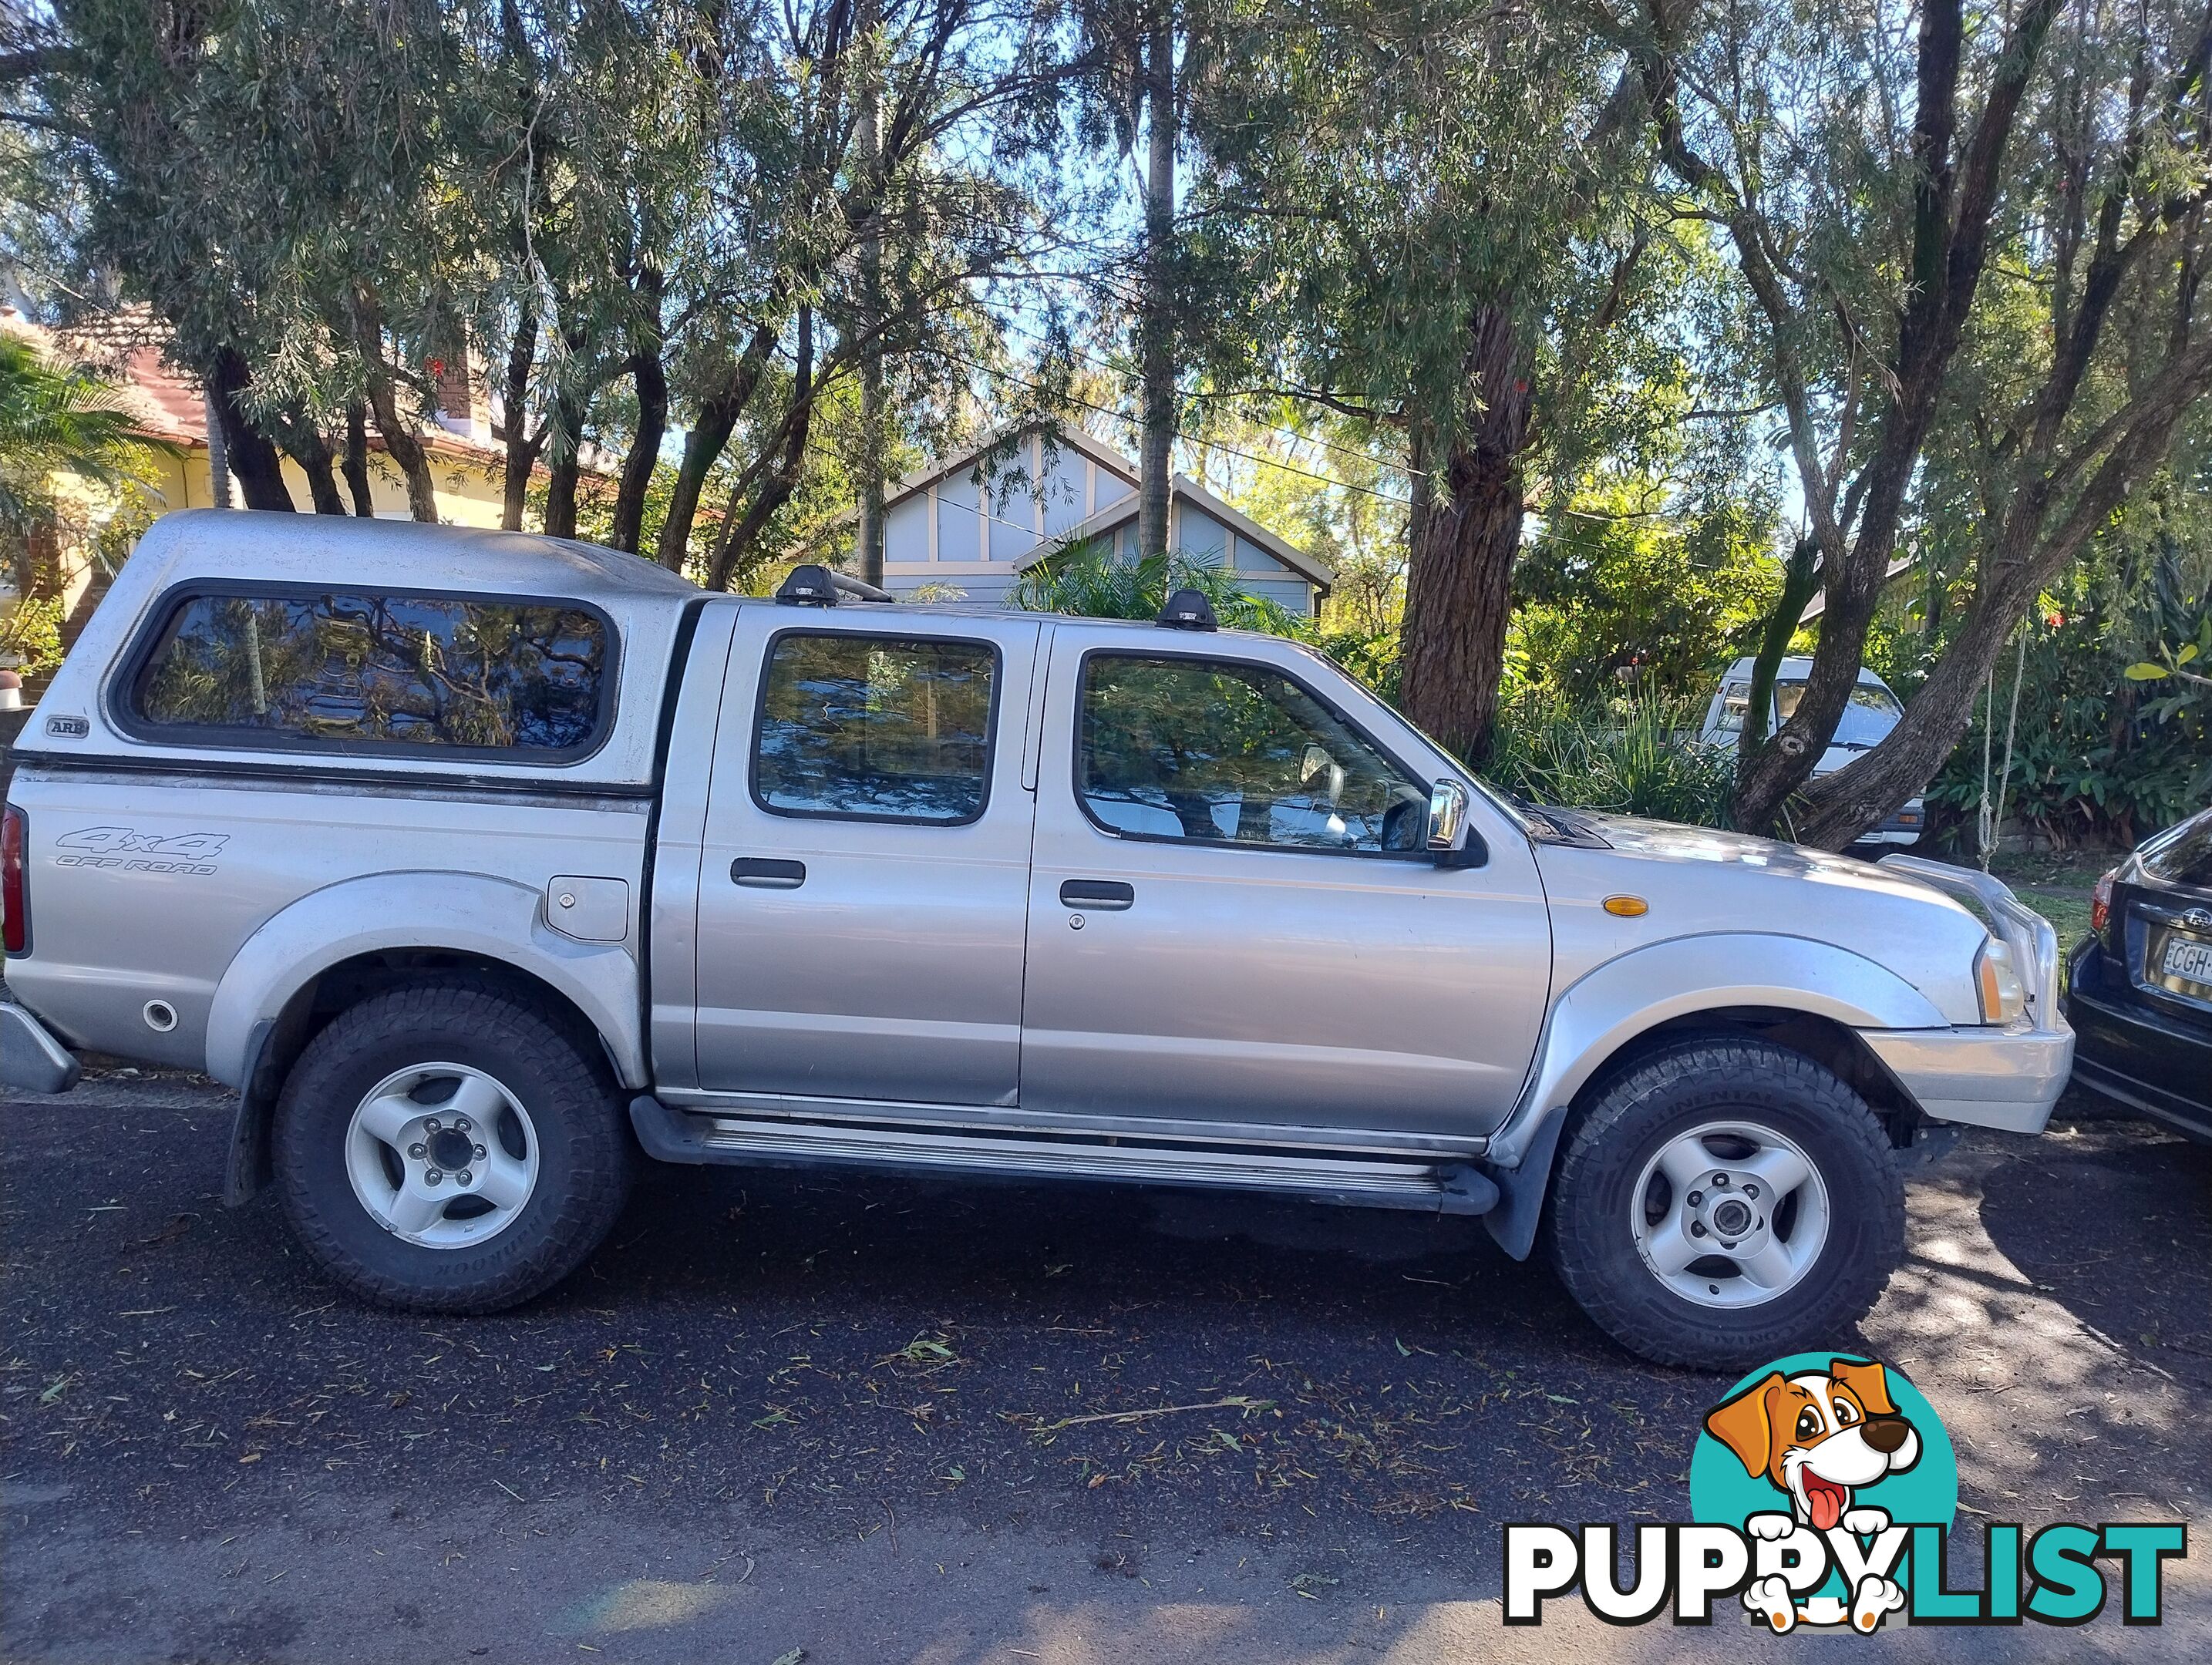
{"points": [[469, 494]]}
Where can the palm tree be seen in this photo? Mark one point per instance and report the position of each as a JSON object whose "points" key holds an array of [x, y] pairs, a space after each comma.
{"points": [[55, 420]]}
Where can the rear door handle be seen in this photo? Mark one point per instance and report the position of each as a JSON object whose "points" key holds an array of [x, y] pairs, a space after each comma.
{"points": [[766, 873], [1108, 895]]}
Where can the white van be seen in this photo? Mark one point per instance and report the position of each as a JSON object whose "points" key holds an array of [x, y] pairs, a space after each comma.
{"points": [[1873, 712]]}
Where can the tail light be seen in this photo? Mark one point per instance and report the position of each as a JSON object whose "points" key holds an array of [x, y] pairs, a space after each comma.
{"points": [[2101, 904], [14, 908]]}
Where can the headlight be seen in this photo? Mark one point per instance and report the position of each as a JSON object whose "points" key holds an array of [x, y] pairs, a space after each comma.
{"points": [[2002, 997]]}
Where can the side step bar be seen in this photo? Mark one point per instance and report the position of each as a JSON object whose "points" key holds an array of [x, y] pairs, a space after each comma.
{"points": [[670, 1135]]}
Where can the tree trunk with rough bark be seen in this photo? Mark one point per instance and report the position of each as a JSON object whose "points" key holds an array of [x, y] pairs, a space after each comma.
{"points": [[522, 445], [252, 460], [1465, 536], [703, 446], [650, 378], [313, 453], [562, 475], [402, 443], [356, 461], [1156, 450], [735, 554]]}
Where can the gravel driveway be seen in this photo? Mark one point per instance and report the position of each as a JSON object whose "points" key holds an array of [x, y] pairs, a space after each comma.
{"points": [[877, 1419]]}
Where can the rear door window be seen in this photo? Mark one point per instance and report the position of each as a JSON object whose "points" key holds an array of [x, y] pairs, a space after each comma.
{"points": [[352, 672], [875, 728]]}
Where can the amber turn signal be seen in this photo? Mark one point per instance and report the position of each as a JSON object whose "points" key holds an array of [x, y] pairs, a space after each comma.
{"points": [[1627, 907]]}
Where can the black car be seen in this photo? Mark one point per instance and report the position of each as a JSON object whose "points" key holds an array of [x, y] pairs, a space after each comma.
{"points": [[2139, 992]]}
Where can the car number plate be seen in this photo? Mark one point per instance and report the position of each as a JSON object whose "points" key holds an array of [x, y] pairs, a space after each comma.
{"points": [[2189, 959]]}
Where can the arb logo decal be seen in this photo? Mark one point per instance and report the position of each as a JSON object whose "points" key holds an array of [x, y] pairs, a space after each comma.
{"points": [[1821, 1489]]}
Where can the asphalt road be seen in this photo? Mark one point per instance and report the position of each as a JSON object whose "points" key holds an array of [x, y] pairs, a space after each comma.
{"points": [[877, 1419]]}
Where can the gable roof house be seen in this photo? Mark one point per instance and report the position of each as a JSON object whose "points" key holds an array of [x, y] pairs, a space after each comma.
{"points": [[978, 519]]}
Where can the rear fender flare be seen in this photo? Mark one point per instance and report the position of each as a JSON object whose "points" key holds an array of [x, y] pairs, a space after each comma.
{"points": [[469, 914]]}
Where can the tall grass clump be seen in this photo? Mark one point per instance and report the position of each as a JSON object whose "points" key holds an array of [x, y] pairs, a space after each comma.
{"points": [[1621, 757]]}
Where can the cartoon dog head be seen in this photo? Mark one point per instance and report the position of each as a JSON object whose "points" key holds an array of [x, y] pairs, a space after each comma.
{"points": [[1818, 1436]]}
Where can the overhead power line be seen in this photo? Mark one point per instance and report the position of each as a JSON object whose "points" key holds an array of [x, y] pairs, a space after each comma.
{"points": [[1112, 369], [1188, 438]]}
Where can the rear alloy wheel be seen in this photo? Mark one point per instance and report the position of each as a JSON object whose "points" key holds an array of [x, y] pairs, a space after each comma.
{"points": [[451, 1146], [1726, 1201], [442, 1155]]}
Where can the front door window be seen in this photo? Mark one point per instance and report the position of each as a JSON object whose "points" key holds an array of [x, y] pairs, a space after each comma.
{"points": [[1216, 752]]}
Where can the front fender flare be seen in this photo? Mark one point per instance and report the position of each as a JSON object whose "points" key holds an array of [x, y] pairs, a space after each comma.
{"points": [[1613, 1003], [494, 919]]}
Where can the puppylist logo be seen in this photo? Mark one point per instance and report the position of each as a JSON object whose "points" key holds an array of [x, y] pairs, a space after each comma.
{"points": [[1822, 1489]]}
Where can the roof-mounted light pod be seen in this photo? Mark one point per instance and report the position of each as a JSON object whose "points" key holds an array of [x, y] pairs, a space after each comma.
{"points": [[1189, 609], [813, 585], [809, 586]]}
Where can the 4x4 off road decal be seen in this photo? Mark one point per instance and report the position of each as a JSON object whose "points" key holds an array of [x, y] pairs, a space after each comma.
{"points": [[1822, 1489], [134, 852]]}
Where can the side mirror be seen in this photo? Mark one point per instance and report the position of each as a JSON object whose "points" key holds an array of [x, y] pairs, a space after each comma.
{"points": [[1448, 823]]}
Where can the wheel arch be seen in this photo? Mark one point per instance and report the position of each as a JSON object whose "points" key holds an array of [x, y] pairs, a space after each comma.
{"points": [[1812, 997], [333, 948]]}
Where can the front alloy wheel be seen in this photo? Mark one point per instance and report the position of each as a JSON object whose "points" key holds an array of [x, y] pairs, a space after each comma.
{"points": [[1729, 1214], [1723, 1201]]}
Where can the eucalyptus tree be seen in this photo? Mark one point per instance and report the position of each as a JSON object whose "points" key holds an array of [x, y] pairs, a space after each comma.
{"points": [[1137, 55], [1437, 214], [882, 161], [598, 139], [278, 179], [1973, 234], [121, 90]]}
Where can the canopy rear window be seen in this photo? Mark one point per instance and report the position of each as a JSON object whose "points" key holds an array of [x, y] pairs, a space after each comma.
{"points": [[352, 672]]}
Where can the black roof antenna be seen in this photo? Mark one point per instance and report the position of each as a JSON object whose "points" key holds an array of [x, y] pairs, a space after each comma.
{"points": [[1189, 609]]}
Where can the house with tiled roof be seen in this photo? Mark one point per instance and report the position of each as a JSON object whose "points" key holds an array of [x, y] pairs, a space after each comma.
{"points": [[468, 462]]}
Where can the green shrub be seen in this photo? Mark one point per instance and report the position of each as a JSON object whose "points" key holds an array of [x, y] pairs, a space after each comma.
{"points": [[2098, 756], [1620, 756], [1088, 579], [31, 634]]}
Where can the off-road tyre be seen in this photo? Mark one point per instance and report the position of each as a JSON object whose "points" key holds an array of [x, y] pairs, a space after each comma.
{"points": [[1611, 1137], [585, 1151]]}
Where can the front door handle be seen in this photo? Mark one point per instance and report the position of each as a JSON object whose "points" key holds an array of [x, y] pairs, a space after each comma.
{"points": [[1107, 895], [766, 873]]}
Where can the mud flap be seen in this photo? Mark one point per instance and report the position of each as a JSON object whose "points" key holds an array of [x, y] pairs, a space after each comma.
{"points": [[1522, 1191], [249, 1169]]}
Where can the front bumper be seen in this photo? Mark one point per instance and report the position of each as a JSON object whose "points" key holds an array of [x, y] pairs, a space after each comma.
{"points": [[2007, 1077], [31, 1060]]}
